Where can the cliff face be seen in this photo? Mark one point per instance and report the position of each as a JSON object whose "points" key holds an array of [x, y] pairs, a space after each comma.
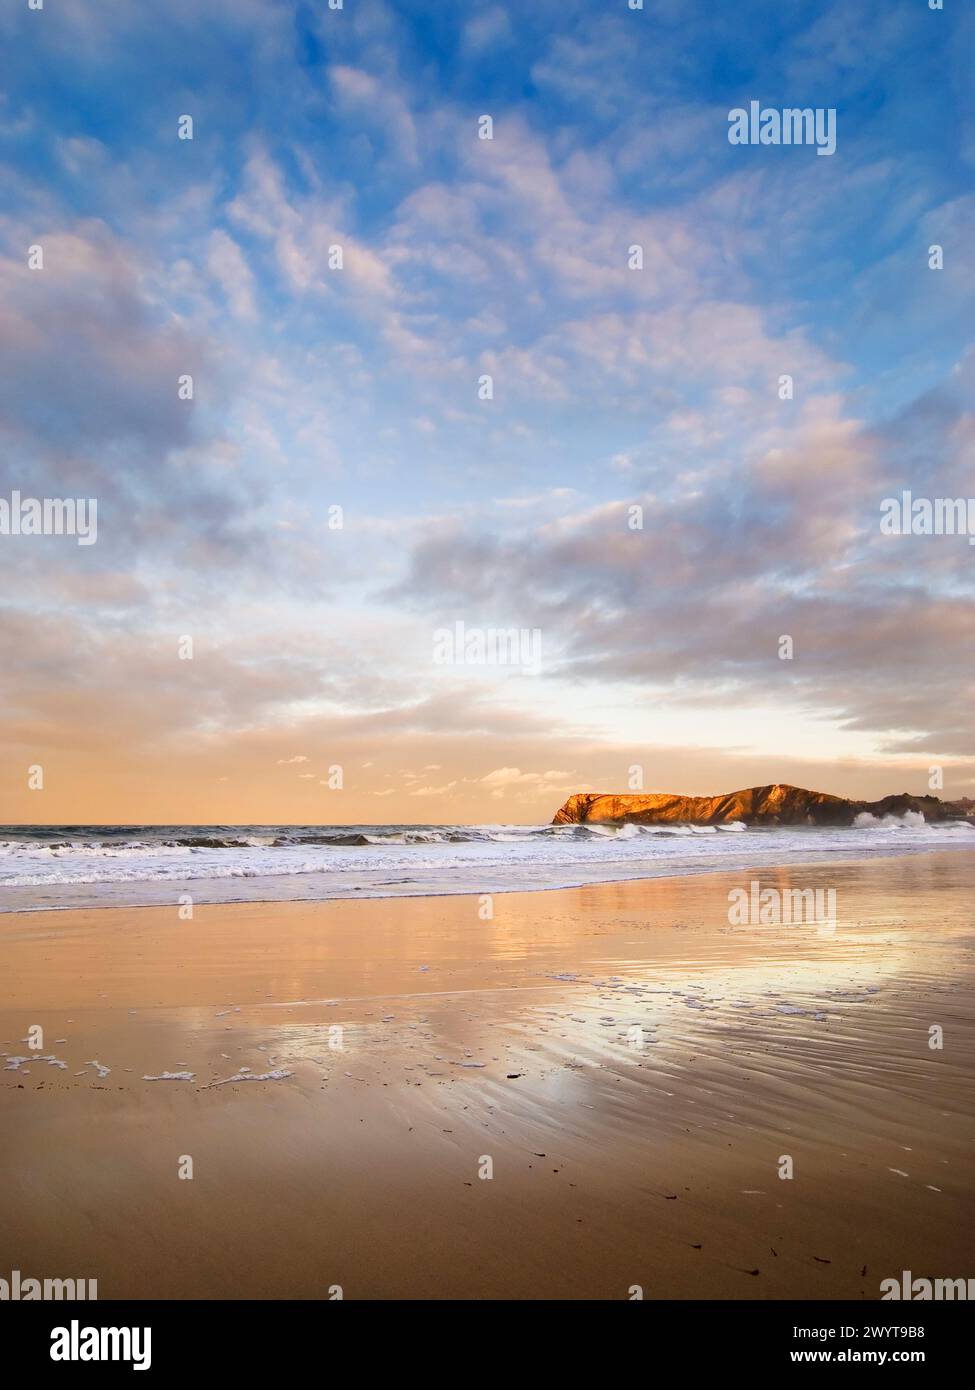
{"points": [[774, 805]]}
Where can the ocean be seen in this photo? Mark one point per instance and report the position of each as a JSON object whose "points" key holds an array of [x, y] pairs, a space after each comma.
{"points": [[70, 866]]}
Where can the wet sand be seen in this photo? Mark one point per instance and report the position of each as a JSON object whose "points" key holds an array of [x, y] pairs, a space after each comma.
{"points": [[633, 1067]]}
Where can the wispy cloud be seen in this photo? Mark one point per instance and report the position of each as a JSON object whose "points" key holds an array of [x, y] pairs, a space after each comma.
{"points": [[338, 484]]}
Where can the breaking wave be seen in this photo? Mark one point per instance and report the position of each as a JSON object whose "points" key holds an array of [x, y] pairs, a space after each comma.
{"points": [[50, 866]]}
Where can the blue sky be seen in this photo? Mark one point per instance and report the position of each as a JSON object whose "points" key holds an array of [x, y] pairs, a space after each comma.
{"points": [[316, 387]]}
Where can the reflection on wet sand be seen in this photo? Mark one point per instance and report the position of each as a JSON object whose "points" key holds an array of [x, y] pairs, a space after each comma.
{"points": [[634, 1067]]}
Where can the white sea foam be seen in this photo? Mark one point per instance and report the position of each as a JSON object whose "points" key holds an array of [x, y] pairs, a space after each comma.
{"points": [[245, 1074], [910, 820], [69, 867]]}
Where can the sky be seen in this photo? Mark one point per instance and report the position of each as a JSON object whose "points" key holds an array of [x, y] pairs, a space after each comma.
{"points": [[487, 414]]}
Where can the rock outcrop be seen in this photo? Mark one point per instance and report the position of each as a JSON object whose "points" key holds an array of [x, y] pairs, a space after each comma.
{"points": [[773, 805]]}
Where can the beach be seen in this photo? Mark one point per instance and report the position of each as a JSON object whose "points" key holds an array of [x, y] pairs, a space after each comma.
{"points": [[592, 1091]]}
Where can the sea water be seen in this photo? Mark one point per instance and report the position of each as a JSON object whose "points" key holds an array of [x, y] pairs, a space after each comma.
{"points": [[86, 866]]}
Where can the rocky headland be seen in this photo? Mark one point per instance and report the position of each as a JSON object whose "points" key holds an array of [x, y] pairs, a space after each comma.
{"points": [[777, 804]]}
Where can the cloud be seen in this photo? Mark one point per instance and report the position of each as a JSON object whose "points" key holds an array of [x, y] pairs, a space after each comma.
{"points": [[504, 779], [489, 29], [695, 602], [226, 263], [375, 101], [119, 355], [614, 389]]}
